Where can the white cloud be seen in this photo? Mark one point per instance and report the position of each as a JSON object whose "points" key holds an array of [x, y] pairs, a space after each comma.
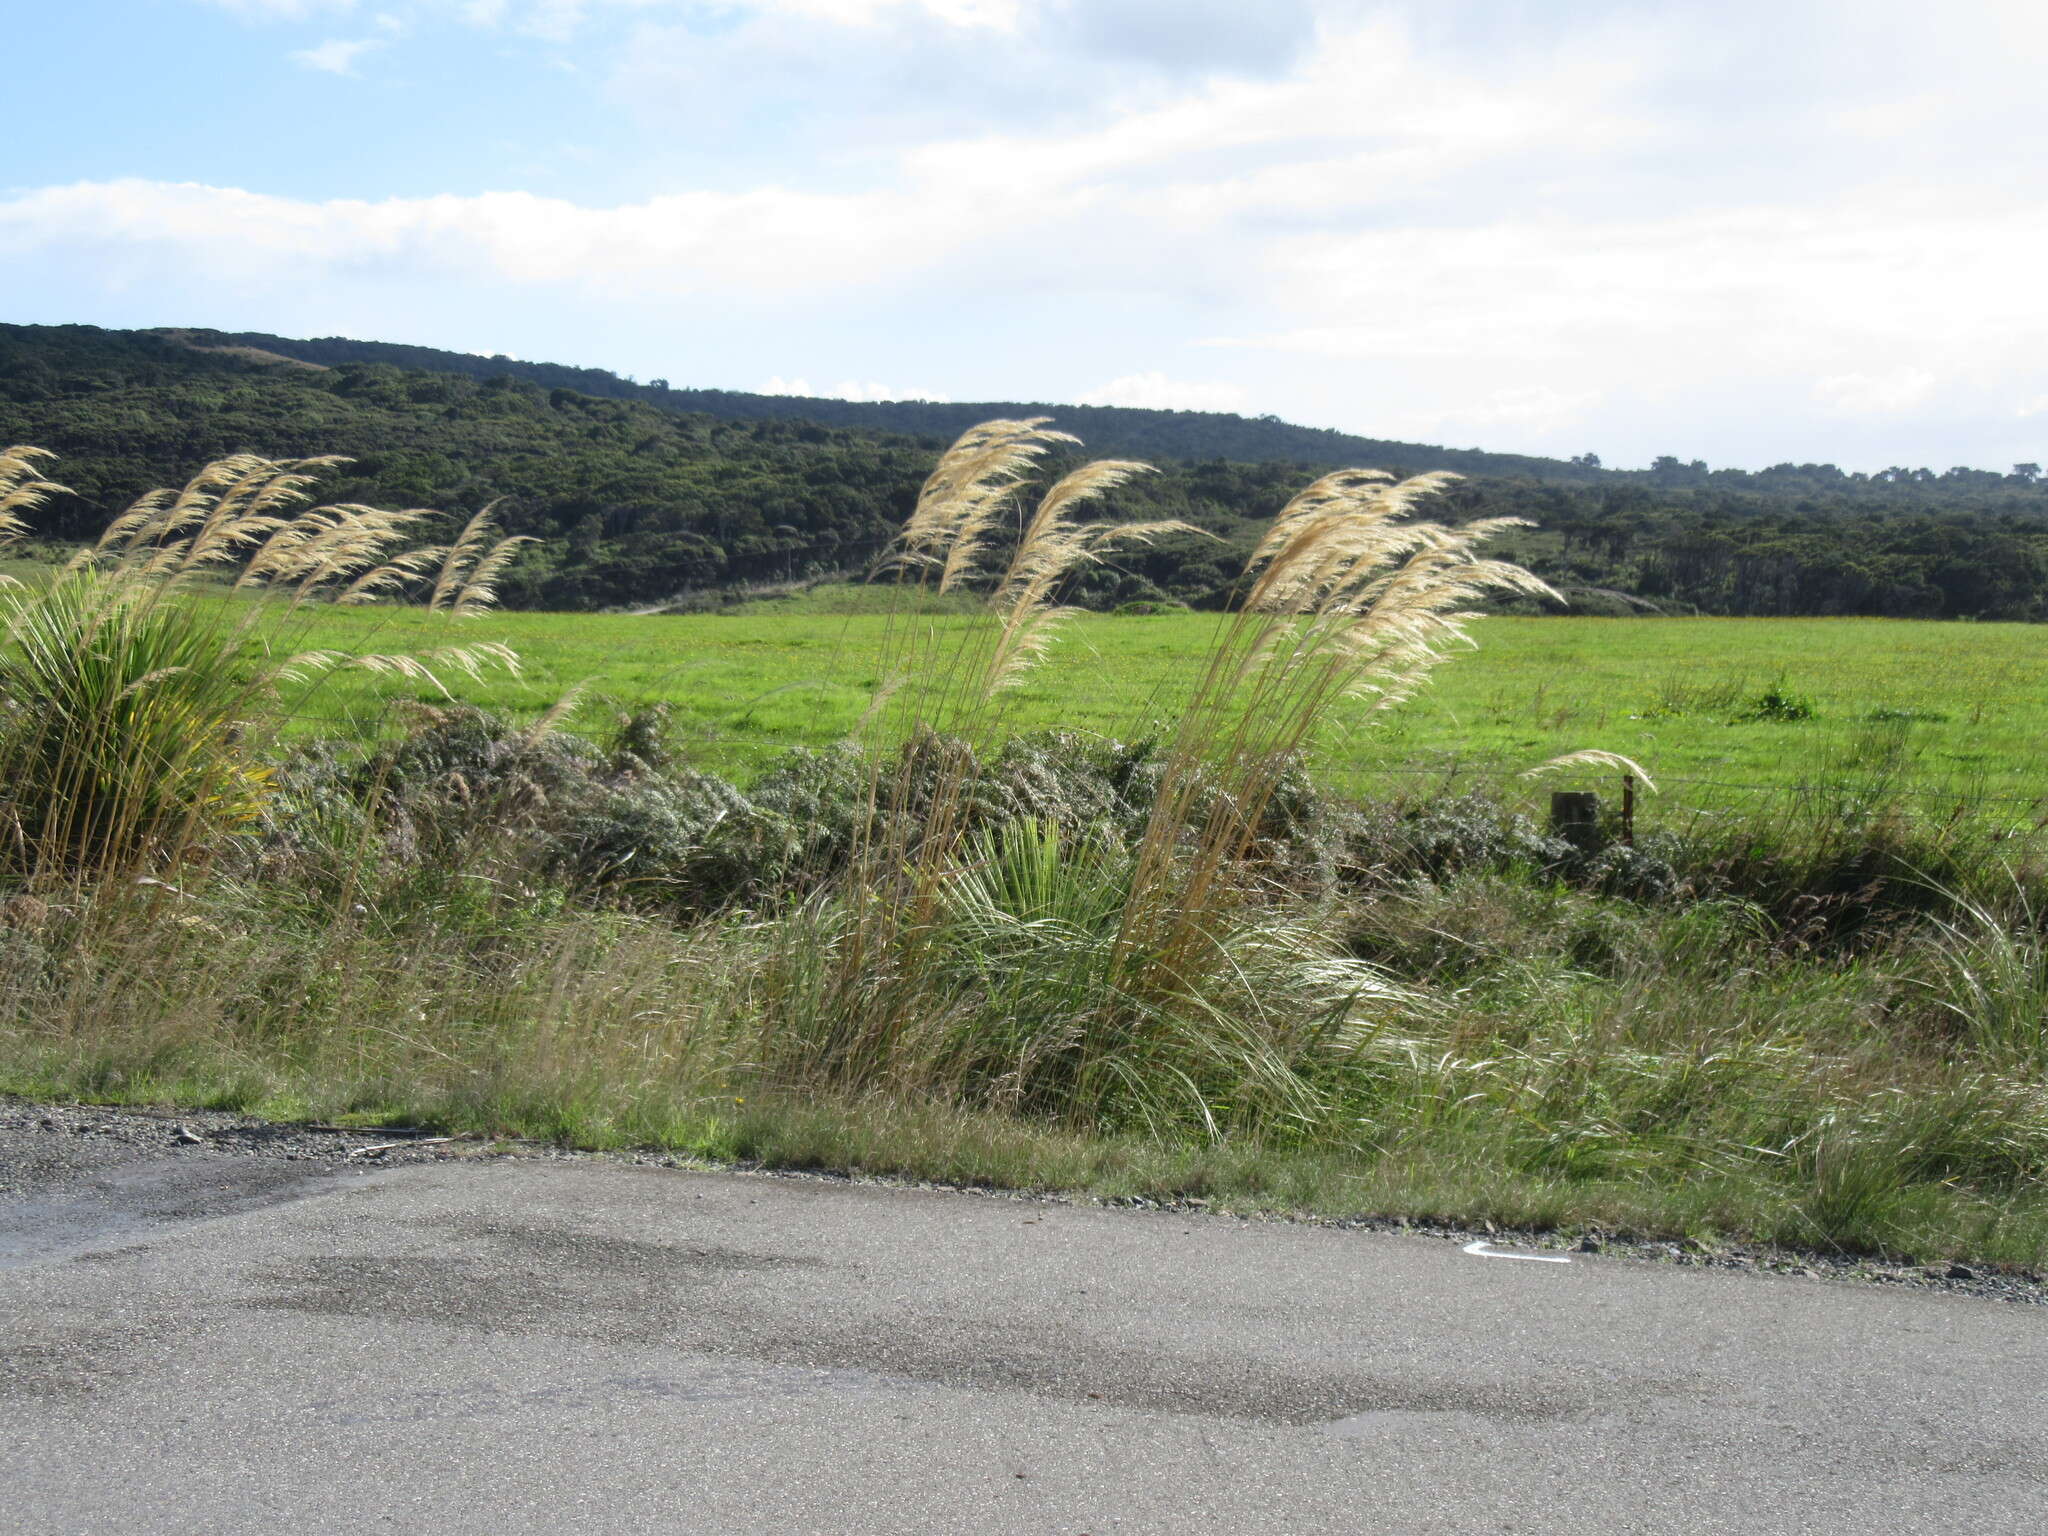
{"points": [[337, 56], [1771, 289], [1155, 391], [551, 21], [846, 389], [282, 10], [1466, 219], [1533, 408], [560, 20], [999, 15], [767, 240], [1883, 393], [1363, 98]]}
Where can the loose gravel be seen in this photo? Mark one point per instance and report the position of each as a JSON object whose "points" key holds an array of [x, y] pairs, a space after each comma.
{"points": [[47, 1148]]}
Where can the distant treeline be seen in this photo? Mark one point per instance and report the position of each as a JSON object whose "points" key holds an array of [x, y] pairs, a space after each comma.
{"points": [[1112, 431], [641, 492]]}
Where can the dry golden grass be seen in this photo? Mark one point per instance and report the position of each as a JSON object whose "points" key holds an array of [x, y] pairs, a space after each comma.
{"points": [[963, 499]]}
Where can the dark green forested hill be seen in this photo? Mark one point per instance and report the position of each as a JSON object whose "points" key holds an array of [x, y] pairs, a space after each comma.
{"points": [[1112, 431], [643, 492], [634, 504]]}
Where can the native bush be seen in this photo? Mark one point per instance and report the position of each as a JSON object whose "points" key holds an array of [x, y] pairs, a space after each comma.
{"points": [[1390, 842]]}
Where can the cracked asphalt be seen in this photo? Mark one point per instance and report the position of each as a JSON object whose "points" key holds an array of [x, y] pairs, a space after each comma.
{"points": [[298, 1332]]}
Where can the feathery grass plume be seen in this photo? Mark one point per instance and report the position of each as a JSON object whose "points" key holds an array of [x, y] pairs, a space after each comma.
{"points": [[952, 541], [467, 549], [154, 515], [1593, 757], [470, 660], [328, 548], [230, 508], [1053, 546], [479, 590], [135, 718], [235, 517], [952, 533], [963, 499], [1344, 598], [392, 577], [470, 567], [554, 715], [22, 488], [961, 672]]}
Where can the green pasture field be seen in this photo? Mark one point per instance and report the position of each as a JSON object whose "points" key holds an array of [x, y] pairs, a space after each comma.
{"points": [[1948, 714]]}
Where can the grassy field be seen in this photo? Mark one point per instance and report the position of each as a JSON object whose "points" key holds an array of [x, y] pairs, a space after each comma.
{"points": [[1948, 714]]}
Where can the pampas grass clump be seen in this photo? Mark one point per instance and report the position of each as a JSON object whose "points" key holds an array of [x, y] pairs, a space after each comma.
{"points": [[1155, 982], [138, 707]]}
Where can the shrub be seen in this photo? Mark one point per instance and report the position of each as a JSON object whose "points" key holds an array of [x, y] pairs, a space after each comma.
{"points": [[1774, 703]]}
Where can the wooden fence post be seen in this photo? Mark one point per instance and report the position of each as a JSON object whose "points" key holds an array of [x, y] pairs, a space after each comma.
{"points": [[1575, 817]]}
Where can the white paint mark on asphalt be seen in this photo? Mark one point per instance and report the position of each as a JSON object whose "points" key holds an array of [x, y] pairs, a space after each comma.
{"points": [[1480, 1250]]}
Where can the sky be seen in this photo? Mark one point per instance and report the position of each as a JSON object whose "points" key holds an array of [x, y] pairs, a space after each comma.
{"points": [[1747, 231]]}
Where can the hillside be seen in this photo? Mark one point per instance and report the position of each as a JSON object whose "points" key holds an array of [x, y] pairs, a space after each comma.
{"points": [[1111, 430], [638, 500]]}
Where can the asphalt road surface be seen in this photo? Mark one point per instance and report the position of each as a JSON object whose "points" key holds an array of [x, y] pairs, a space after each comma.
{"points": [[192, 1341]]}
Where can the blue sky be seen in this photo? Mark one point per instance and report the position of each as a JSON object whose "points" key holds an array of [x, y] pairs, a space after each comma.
{"points": [[1739, 231]]}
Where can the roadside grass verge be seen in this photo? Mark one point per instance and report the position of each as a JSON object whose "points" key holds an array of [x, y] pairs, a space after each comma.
{"points": [[1575, 1061]]}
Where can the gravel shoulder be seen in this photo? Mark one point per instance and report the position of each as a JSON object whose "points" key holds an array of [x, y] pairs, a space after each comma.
{"points": [[72, 1174]]}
